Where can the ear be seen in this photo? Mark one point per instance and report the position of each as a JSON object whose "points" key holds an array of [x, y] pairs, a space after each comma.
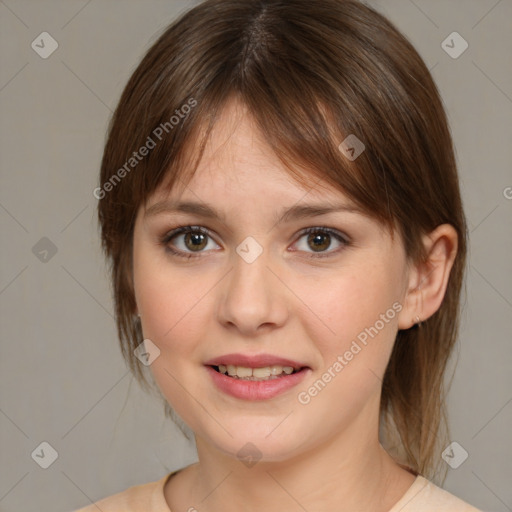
{"points": [[428, 279]]}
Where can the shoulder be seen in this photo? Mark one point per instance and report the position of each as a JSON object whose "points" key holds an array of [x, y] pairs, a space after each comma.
{"points": [[147, 497], [425, 496]]}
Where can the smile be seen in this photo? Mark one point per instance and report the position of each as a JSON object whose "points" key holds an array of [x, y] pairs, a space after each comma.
{"points": [[254, 388], [255, 374]]}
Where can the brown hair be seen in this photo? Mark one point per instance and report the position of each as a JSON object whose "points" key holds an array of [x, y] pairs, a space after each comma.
{"points": [[311, 73]]}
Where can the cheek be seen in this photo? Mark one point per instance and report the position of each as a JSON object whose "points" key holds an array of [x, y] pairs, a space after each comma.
{"points": [[173, 310], [170, 313], [347, 303], [173, 304], [353, 343]]}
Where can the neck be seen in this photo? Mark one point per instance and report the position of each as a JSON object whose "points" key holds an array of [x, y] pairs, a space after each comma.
{"points": [[346, 473]]}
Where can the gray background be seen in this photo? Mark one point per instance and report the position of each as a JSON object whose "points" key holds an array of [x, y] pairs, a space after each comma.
{"points": [[62, 377]]}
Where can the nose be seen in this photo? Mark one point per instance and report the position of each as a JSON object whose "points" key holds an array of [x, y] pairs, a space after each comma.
{"points": [[253, 298]]}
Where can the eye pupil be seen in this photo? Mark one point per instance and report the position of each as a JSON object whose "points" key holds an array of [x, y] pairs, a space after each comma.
{"points": [[317, 240], [198, 240]]}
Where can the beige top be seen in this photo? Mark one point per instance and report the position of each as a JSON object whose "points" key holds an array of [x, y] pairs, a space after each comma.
{"points": [[422, 496]]}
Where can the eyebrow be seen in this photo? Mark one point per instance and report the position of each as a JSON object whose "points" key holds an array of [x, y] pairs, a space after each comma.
{"points": [[287, 214]]}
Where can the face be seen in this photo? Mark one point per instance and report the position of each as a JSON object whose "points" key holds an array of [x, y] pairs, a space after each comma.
{"points": [[250, 292]]}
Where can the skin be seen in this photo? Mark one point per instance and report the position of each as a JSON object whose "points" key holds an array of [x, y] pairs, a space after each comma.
{"points": [[324, 455]]}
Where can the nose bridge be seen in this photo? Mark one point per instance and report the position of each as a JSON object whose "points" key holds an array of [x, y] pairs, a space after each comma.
{"points": [[252, 295]]}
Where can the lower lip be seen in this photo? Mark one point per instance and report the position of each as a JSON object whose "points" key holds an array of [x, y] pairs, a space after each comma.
{"points": [[253, 389]]}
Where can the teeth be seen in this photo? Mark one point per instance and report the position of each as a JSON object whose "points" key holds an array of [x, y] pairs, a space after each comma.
{"points": [[261, 372], [242, 371], [246, 373], [276, 370]]}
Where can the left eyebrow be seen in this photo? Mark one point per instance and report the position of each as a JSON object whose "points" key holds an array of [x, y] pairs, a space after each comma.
{"points": [[286, 214], [314, 210]]}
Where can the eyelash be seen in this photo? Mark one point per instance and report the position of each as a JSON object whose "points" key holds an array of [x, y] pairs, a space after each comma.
{"points": [[200, 230]]}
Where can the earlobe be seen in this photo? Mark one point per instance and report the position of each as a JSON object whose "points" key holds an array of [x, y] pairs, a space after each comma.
{"points": [[429, 279], [412, 311]]}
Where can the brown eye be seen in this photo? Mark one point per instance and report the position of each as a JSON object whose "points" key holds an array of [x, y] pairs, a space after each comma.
{"points": [[195, 241], [184, 241], [319, 240]]}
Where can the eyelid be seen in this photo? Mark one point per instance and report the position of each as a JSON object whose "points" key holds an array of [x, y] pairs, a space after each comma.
{"points": [[325, 229], [181, 230], [342, 238]]}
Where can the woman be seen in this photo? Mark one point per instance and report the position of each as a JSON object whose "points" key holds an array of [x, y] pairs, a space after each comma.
{"points": [[280, 206]]}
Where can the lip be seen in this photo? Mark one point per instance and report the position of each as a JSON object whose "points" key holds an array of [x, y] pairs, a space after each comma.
{"points": [[256, 390], [253, 361]]}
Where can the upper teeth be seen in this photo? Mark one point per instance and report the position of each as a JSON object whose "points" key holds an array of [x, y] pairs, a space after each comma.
{"points": [[244, 371]]}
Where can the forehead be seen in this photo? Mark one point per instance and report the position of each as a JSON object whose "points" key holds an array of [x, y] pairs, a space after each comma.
{"points": [[238, 164]]}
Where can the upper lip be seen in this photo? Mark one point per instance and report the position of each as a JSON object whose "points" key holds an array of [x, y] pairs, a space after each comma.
{"points": [[253, 361]]}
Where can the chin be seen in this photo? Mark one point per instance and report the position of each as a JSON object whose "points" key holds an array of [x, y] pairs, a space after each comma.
{"points": [[265, 441]]}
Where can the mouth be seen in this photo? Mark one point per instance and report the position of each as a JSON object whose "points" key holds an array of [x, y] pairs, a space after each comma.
{"points": [[258, 373], [255, 376]]}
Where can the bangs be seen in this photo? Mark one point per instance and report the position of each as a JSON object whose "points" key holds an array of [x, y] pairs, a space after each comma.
{"points": [[281, 68], [303, 135], [303, 106]]}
